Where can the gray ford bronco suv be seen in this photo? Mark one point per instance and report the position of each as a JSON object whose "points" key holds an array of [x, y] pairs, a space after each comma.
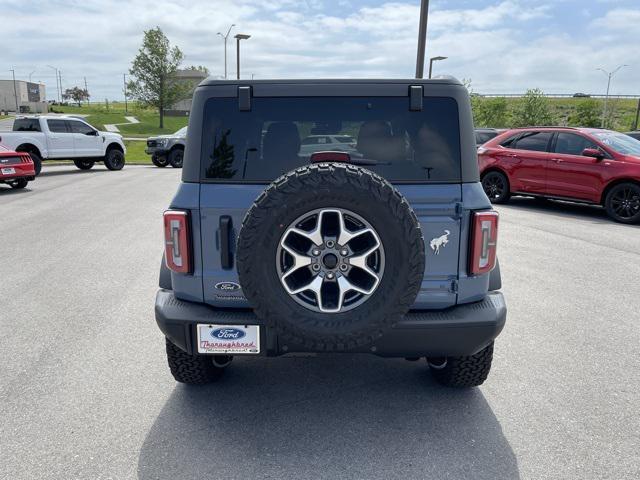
{"points": [[388, 248]]}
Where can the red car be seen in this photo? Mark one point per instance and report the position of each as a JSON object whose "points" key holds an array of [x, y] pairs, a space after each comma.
{"points": [[16, 168], [579, 164]]}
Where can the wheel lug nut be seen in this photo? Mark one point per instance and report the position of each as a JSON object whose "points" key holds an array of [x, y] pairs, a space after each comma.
{"points": [[315, 252], [344, 252], [315, 267], [330, 275], [330, 243], [343, 267]]}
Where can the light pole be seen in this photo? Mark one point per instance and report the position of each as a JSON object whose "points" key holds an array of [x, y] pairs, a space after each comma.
{"points": [[422, 38], [15, 91], [57, 87], [124, 80], [30, 75], [434, 59], [238, 37], [606, 97], [225, 48]]}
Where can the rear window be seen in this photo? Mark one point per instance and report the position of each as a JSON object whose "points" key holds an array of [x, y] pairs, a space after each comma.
{"points": [[534, 141], [280, 134], [26, 125]]}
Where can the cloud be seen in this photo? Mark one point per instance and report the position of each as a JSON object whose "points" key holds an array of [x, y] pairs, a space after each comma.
{"points": [[503, 46]]}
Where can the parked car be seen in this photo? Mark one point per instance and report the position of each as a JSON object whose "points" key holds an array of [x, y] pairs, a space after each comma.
{"points": [[635, 134], [49, 137], [483, 135], [581, 95], [16, 168], [270, 251], [319, 143], [167, 149], [578, 164]]}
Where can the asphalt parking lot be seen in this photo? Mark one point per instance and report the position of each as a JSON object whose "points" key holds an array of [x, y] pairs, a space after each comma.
{"points": [[85, 392]]}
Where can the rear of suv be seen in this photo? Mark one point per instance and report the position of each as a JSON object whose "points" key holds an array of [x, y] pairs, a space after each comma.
{"points": [[387, 247]]}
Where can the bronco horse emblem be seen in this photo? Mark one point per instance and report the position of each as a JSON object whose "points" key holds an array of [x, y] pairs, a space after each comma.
{"points": [[440, 241]]}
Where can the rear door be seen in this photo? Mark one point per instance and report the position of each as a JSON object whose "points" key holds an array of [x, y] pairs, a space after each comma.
{"points": [[572, 175], [243, 151], [60, 138], [86, 142], [526, 158]]}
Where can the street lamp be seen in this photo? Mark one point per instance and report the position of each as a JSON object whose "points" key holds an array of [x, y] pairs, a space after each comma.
{"points": [[225, 48], [238, 37], [606, 97], [57, 86], [434, 59]]}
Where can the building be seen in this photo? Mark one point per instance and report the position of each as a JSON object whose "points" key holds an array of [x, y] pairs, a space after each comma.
{"points": [[192, 78], [31, 96]]}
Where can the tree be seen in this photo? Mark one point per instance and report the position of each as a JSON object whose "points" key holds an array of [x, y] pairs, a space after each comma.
{"points": [[533, 110], [587, 114], [154, 70], [76, 94], [490, 112], [199, 68]]}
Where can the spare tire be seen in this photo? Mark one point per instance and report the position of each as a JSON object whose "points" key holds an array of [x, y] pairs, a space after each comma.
{"points": [[330, 256]]}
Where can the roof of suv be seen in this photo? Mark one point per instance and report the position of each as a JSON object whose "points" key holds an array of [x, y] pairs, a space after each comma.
{"points": [[443, 80]]}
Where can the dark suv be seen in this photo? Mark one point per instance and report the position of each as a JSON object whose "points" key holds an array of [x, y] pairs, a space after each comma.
{"points": [[388, 247]]}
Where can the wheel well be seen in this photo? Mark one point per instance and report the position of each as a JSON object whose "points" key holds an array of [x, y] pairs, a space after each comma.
{"points": [[494, 169], [608, 188], [177, 147], [115, 146], [29, 148]]}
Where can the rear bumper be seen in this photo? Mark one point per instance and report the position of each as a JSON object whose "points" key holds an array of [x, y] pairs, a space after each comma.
{"points": [[460, 330], [22, 170]]}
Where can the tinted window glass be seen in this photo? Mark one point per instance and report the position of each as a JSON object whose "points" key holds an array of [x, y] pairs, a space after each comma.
{"points": [[620, 142], [57, 126], [26, 125], [396, 143], [345, 139], [80, 127], [509, 142], [572, 144], [536, 141]]}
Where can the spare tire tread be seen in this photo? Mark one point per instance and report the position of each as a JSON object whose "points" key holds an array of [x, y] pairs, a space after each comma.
{"points": [[304, 179]]}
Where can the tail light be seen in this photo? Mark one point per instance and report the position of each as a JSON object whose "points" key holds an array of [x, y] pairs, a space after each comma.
{"points": [[177, 245], [484, 239]]}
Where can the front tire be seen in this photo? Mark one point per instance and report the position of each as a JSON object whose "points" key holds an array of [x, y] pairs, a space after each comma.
{"points": [[175, 158], [114, 159], [462, 372], [159, 161], [18, 184], [84, 164], [195, 369], [496, 186], [623, 203]]}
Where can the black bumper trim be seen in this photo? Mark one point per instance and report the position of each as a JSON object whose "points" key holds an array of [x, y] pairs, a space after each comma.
{"points": [[460, 330]]}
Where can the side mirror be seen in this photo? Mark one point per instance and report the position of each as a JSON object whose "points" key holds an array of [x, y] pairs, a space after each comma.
{"points": [[593, 152], [92, 133]]}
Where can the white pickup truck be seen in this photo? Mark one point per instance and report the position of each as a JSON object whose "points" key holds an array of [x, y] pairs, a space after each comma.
{"points": [[49, 137]]}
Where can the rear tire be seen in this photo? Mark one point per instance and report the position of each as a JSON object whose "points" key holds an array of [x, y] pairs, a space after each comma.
{"points": [[114, 159], [195, 369], [462, 372], [18, 184], [496, 186], [37, 162], [175, 158], [84, 164], [623, 203]]}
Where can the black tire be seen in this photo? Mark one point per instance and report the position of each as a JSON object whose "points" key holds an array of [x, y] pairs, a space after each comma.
{"points": [[37, 162], [159, 161], [175, 157], [114, 159], [496, 186], [18, 183], [84, 164], [331, 186], [623, 203], [462, 372], [194, 369]]}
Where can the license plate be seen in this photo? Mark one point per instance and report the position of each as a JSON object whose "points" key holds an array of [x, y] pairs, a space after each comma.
{"points": [[8, 171], [228, 339]]}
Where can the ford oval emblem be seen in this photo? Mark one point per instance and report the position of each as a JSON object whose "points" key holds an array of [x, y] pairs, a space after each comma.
{"points": [[227, 286], [228, 333]]}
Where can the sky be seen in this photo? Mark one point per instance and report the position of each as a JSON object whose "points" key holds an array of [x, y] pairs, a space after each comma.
{"points": [[501, 46]]}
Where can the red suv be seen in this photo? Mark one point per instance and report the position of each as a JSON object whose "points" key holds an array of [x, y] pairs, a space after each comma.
{"points": [[578, 164]]}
